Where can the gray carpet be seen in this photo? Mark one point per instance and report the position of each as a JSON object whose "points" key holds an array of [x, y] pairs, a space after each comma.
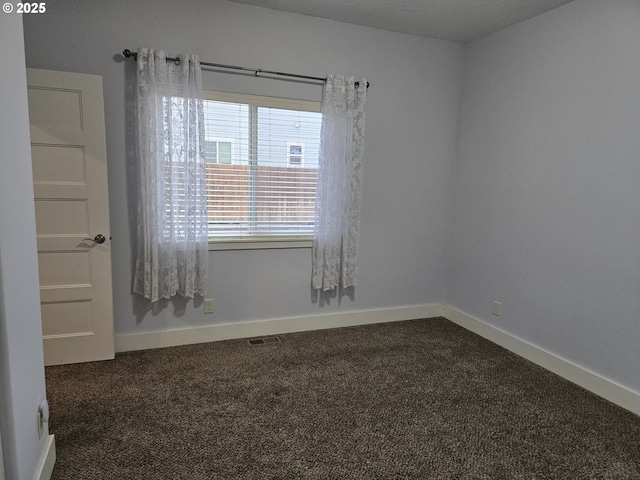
{"points": [[422, 399]]}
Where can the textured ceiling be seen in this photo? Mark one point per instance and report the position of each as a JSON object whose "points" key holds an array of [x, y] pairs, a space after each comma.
{"points": [[457, 20]]}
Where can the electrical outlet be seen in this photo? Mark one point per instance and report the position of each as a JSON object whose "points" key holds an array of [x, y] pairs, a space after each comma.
{"points": [[208, 305], [40, 423], [496, 308], [43, 416]]}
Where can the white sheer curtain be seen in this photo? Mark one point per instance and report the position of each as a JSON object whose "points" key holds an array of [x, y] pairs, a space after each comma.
{"points": [[339, 184], [172, 205]]}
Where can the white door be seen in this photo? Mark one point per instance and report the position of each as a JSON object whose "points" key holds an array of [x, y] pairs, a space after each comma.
{"points": [[66, 115]]}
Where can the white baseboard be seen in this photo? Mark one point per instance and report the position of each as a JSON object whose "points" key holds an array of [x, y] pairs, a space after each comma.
{"points": [[48, 460], [605, 388], [277, 326]]}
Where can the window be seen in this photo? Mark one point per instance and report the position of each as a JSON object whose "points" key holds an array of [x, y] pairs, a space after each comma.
{"points": [[295, 154], [262, 165], [218, 150]]}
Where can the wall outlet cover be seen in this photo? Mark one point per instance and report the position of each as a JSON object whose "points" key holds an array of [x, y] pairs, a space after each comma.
{"points": [[208, 305]]}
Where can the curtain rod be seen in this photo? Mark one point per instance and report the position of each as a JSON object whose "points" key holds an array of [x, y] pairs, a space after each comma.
{"points": [[256, 71]]}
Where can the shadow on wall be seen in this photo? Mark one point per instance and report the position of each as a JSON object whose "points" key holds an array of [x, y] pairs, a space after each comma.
{"points": [[324, 298], [142, 307]]}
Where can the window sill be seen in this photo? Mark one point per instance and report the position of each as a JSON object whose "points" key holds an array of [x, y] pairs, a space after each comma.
{"points": [[260, 243]]}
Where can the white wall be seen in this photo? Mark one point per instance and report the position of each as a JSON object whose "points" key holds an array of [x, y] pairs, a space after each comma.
{"points": [[21, 358], [547, 204], [410, 144]]}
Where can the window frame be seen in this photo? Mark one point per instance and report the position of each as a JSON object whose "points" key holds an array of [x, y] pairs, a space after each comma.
{"points": [[263, 242]]}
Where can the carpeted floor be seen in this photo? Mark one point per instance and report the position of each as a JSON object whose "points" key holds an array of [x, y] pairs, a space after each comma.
{"points": [[421, 399]]}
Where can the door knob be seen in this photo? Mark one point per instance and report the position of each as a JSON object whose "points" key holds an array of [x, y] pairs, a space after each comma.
{"points": [[99, 238]]}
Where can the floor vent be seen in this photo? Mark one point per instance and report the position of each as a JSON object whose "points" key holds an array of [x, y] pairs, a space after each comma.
{"points": [[263, 341]]}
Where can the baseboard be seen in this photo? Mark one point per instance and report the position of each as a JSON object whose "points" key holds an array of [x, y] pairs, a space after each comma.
{"points": [[48, 460], [603, 387], [259, 328]]}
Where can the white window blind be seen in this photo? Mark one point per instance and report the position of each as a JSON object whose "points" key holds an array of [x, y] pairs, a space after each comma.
{"points": [[258, 185]]}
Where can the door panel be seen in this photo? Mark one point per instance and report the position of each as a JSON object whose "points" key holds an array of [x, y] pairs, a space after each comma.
{"points": [[66, 115], [58, 164]]}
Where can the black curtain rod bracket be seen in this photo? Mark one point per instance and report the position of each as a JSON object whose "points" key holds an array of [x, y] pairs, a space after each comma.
{"points": [[256, 71]]}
